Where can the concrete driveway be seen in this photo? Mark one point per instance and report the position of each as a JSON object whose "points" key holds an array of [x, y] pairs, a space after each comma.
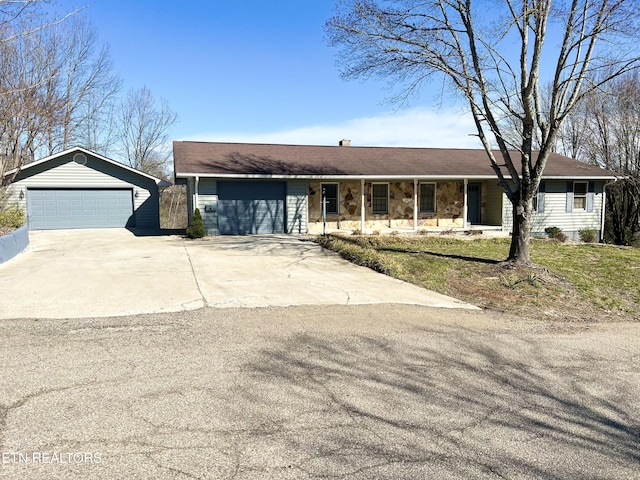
{"points": [[112, 272]]}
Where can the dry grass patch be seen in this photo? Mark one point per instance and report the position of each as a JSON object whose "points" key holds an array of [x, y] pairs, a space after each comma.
{"points": [[569, 281]]}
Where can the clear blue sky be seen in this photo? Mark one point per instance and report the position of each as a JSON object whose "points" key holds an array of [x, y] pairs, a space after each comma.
{"points": [[259, 70]]}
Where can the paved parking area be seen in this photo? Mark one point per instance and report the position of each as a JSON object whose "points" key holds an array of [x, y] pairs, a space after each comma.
{"points": [[110, 272], [324, 391]]}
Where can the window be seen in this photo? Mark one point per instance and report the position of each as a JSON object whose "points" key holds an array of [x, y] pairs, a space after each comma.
{"points": [[380, 198], [427, 197], [579, 195], [330, 194], [538, 198]]}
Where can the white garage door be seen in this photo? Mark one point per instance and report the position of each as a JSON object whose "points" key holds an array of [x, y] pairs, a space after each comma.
{"points": [[51, 209]]}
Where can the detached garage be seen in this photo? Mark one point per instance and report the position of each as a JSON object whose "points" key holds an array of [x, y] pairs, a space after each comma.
{"points": [[81, 189]]}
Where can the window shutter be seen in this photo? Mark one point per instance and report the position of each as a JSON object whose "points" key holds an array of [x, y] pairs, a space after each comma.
{"points": [[569, 197], [590, 196], [541, 191]]}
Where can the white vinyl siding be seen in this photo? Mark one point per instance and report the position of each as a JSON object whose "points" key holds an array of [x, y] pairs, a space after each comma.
{"points": [[555, 211], [63, 173]]}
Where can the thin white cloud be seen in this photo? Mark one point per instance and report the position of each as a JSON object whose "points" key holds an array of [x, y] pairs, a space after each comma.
{"points": [[408, 128]]}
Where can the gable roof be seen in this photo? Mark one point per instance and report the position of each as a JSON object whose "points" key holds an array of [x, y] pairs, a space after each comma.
{"points": [[158, 181], [253, 160]]}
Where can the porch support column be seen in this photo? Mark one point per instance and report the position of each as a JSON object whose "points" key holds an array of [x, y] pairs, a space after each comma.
{"points": [[197, 187], [466, 207], [362, 205], [415, 204]]}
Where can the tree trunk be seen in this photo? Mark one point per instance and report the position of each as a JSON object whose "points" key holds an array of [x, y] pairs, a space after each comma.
{"points": [[519, 253]]}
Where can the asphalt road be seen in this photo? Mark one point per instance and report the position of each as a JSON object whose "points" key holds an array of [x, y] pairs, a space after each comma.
{"points": [[358, 392]]}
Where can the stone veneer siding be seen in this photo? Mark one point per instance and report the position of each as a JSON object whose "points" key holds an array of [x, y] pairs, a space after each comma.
{"points": [[449, 207]]}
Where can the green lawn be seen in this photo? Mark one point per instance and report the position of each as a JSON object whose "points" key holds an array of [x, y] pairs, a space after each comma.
{"points": [[569, 282]]}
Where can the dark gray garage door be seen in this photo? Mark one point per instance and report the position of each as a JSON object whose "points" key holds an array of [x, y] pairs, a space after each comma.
{"points": [[50, 209], [250, 207]]}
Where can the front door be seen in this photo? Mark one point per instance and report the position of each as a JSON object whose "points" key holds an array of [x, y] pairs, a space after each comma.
{"points": [[474, 201]]}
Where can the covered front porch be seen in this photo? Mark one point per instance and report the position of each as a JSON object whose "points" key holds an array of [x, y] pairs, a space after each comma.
{"points": [[405, 205]]}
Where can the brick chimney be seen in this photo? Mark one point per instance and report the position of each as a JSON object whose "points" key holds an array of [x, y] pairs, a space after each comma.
{"points": [[344, 143]]}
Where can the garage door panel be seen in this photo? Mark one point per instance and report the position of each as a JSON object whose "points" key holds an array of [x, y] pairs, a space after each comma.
{"points": [[65, 209], [250, 207]]}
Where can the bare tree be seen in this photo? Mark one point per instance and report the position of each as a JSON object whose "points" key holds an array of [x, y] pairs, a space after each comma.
{"points": [[496, 63], [28, 98], [173, 207], [609, 122], [86, 86], [144, 134], [55, 82]]}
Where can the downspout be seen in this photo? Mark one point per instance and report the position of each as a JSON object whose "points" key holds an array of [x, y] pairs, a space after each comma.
{"points": [[604, 206], [415, 204], [465, 208], [362, 205]]}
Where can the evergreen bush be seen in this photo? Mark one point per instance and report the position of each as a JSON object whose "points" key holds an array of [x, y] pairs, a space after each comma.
{"points": [[555, 233], [196, 227]]}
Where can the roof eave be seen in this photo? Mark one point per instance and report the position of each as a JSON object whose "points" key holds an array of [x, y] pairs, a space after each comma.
{"points": [[323, 176], [257, 176], [157, 180], [573, 177]]}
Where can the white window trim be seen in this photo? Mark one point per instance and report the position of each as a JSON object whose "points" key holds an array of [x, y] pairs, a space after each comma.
{"points": [[337, 184], [435, 190], [586, 193], [372, 197]]}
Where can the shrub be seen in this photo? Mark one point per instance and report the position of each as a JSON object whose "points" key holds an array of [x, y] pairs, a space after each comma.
{"points": [[555, 233], [587, 235], [196, 227], [552, 231], [12, 218]]}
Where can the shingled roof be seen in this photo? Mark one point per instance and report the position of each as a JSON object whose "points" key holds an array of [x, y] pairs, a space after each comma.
{"points": [[213, 159]]}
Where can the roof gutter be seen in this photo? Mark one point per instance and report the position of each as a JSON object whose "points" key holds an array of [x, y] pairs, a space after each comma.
{"points": [[263, 176]]}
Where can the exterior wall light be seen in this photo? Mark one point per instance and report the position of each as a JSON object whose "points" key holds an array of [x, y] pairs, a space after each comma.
{"points": [[21, 195]]}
